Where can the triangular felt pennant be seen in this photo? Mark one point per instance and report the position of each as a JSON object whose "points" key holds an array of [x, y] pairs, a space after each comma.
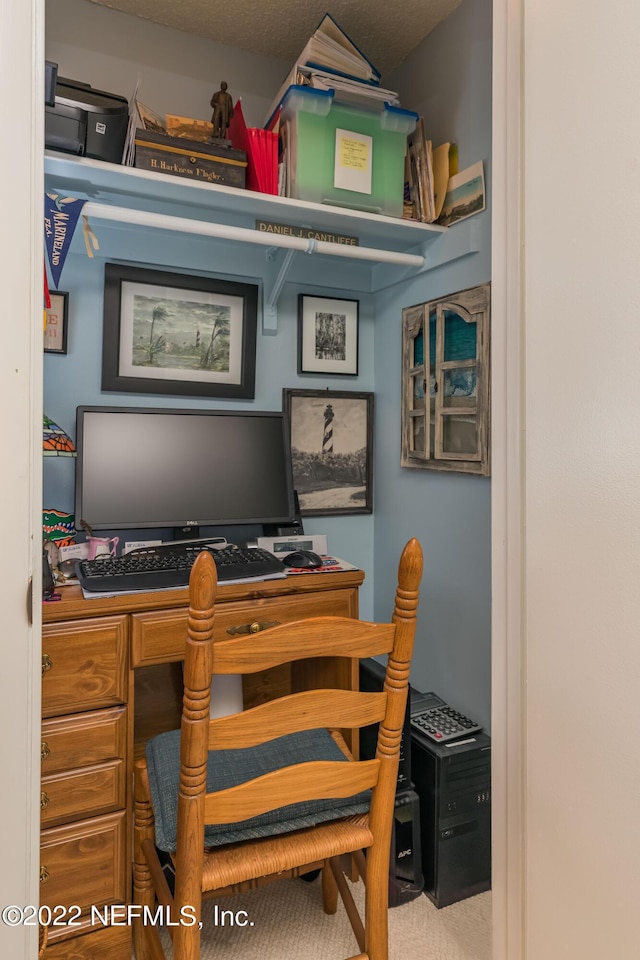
{"points": [[60, 218]]}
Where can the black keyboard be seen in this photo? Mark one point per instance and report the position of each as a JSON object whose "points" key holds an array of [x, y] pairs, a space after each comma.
{"points": [[158, 568]]}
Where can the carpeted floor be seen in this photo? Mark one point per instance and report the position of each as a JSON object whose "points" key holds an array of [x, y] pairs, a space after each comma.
{"points": [[286, 921]]}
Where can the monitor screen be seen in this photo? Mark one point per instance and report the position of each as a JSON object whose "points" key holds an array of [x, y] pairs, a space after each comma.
{"points": [[140, 467]]}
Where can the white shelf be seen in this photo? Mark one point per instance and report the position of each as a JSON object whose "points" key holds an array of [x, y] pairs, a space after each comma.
{"points": [[167, 202], [177, 196]]}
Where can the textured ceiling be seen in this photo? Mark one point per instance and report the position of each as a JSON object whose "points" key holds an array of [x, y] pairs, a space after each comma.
{"points": [[281, 28]]}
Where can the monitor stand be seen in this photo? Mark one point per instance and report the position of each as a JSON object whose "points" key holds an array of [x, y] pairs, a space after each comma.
{"points": [[293, 529], [185, 534], [191, 536]]}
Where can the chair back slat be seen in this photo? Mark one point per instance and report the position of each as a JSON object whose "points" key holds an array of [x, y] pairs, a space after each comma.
{"points": [[319, 780], [300, 711], [312, 774], [317, 637]]}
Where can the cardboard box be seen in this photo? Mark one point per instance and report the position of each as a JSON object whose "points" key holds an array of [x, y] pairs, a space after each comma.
{"points": [[197, 161]]}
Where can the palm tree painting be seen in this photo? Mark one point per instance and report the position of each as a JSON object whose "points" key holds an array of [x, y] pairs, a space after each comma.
{"points": [[180, 334], [174, 333]]}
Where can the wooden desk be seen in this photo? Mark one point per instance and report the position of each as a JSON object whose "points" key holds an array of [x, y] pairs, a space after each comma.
{"points": [[111, 679]]}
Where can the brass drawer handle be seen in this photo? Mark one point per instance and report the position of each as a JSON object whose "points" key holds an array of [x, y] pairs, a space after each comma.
{"points": [[254, 627], [44, 874], [47, 663], [45, 751], [44, 800]]}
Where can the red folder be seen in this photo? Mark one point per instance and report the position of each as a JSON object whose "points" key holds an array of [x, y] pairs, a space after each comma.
{"points": [[261, 148]]}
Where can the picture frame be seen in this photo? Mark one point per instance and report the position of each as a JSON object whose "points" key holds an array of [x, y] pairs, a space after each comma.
{"points": [[173, 333], [446, 391], [331, 450], [56, 323], [328, 335]]}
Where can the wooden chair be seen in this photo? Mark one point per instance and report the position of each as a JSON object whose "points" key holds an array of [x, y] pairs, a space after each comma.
{"points": [[289, 796]]}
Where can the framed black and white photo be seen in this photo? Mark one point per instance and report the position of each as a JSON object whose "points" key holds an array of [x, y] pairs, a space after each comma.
{"points": [[327, 335], [331, 450], [172, 333], [57, 319]]}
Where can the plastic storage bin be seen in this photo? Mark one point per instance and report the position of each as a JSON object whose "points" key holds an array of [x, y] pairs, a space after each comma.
{"points": [[346, 155]]}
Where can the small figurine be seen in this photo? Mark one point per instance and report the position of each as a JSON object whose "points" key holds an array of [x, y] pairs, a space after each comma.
{"points": [[222, 111]]}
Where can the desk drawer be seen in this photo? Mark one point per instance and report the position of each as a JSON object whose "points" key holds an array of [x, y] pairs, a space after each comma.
{"points": [[83, 739], [103, 943], [160, 636], [86, 792], [84, 665], [84, 863]]}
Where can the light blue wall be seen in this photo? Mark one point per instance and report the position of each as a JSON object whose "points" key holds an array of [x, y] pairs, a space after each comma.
{"points": [[75, 379], [177, 72], [447, 79]]}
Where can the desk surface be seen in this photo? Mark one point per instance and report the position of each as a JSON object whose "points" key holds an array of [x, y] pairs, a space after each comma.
{"points": [[73, 606]]}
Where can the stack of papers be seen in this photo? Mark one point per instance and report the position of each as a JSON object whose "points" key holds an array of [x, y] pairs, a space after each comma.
{"points": [[427, 173], [331, 61], [171, 125], [329, 46]]}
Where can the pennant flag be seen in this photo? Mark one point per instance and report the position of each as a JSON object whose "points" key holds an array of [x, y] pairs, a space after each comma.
{"points": [[61, 215]]}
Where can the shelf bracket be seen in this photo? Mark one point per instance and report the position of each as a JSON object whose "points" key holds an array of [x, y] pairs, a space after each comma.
{"points": [[275, 279]]}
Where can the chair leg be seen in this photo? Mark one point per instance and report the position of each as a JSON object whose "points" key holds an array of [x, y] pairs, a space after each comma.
{"points": [[143, 893], [376, 917], [329, 890], [186, 942], [349, 904]]}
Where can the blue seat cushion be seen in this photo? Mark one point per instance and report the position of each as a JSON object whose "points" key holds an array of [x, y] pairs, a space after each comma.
{"points": [[226, 768]]}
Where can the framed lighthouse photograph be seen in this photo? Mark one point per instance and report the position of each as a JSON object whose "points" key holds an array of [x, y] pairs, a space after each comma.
{"points": [[331, 450]]}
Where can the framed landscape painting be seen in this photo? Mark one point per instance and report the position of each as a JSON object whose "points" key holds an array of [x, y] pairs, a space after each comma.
{"points": [[172, 333], [331, 450]]}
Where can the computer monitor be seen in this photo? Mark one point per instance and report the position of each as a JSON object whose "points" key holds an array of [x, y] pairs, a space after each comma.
{"points": [[147, 468]]}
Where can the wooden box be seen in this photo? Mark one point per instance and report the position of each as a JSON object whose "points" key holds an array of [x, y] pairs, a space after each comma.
{"points": [[200, 162]]}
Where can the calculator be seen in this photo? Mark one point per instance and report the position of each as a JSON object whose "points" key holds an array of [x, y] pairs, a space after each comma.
{"points": [[435, 719]]}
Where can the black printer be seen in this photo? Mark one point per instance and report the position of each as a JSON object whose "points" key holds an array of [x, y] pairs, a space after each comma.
{"points": [[87, 122]]}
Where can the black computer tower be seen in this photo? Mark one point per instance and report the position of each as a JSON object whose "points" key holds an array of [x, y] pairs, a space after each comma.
{"points": [[372, 676], [454, 787]]}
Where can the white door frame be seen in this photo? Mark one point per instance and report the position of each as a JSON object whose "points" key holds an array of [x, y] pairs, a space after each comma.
{"points": [[21, 259], [507, 488], [21, 70]]}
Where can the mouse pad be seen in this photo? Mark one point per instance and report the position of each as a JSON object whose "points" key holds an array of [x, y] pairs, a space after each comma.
{"points": [[329, 565]]}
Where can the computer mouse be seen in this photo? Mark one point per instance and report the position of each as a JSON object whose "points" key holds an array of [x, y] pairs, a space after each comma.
{"points": [[68, 567], [302, 559]]}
